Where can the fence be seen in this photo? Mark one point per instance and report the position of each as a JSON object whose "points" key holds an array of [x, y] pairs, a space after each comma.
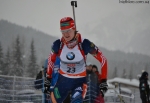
{"points": [[14, 89]]}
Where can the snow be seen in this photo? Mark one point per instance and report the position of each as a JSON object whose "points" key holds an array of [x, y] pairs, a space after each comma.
{"points": [[26, 91], [133, 82]]}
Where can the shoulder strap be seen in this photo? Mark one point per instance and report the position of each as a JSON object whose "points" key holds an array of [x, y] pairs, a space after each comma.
{"points": [[60, 48], [80, 47]]}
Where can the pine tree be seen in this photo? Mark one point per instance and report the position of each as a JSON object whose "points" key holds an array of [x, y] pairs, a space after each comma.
{"points": [[7, 63], [17, 59], [131, 72], [115, 73], [1, 60], [147, 67], [24, 59], [32, 66], [124, 75]]}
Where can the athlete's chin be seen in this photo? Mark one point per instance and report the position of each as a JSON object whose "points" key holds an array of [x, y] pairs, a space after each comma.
{"points": [[67, 39]]}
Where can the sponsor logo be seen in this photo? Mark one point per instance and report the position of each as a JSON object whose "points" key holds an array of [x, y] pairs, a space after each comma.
{"points": [[92, 45], [71, 65], [70, 56]]}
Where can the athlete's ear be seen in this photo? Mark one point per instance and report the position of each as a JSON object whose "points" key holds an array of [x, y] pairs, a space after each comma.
{"points": [[76, 32]]}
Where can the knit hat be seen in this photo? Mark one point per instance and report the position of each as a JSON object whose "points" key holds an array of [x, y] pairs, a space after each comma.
{"points": [[67, 23]]}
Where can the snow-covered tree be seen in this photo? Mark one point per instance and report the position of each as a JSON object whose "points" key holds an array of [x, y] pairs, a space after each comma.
{"points": [[124, 75], [115, 73], [17, 59], [131, 72], [1, 59], [32, 69], [7, 63]]}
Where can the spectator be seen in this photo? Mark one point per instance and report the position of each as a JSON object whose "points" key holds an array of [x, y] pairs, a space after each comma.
{"points": [[99, 98], [95, 70], [92, 82], [89, 68], [144, 87], [38, 82]]}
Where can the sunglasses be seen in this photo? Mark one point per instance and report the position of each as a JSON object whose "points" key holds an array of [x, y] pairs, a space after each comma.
{"points": [[66, 30]]}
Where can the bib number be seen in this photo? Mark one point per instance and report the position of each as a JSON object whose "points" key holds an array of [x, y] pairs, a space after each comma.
{"points": [[71, 69]]}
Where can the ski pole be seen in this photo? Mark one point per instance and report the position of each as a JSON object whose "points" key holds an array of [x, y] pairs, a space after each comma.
{"points": [[74, 4]]}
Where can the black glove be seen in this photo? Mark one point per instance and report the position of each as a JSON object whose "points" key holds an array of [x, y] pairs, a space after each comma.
{"points": [[47, 84], [103, 87]]}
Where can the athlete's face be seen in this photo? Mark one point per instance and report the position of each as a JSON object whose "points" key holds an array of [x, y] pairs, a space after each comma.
{"points": [[68, 34]]}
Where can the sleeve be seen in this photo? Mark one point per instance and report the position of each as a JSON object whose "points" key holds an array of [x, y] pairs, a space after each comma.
{"points": [[90, 47], [52, 57], [57, 62]]}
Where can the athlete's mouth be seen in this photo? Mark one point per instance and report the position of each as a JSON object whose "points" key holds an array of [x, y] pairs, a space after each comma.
{"points": [[67, 36]]}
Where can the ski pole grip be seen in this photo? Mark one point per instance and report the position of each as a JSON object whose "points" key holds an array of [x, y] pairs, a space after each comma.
{"points": [[74, 3]]}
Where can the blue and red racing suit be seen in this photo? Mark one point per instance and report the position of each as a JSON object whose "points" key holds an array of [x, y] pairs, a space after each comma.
{"points": [[73, 67]]}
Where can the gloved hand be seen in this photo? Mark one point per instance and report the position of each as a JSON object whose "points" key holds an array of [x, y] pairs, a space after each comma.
{"points": [[103, 87], [47, 84]]}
